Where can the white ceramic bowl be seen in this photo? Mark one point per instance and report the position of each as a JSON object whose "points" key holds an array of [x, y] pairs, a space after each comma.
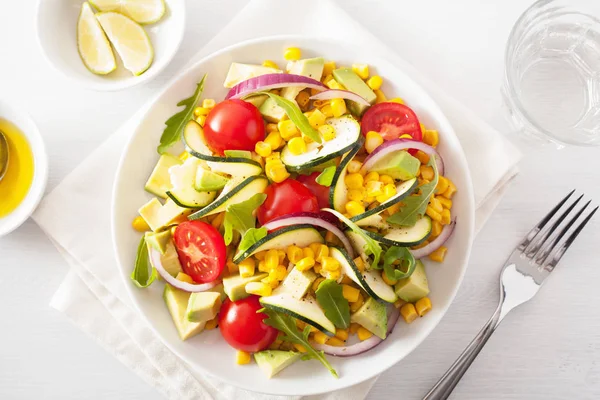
{"points": [[40, 175], [56, 31], [208, 352]]}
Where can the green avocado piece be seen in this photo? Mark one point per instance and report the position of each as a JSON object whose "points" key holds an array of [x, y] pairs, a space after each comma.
{"points": [[207, 181], [169, 259], [235, 286], [372, 316], [271, 111], [352, 82], [414, 287], [158, 240], [160, 181], [297, 282], [177, 301], [274, 361], [239, 72], [309, 67], [399, 165], [203, 306], [257, 100], [238, 153]]}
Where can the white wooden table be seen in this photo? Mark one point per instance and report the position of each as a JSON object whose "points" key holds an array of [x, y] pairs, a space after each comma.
{"points": [[548, 349]]}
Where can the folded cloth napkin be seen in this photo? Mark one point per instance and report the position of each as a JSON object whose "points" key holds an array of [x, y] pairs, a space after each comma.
{"points": [[93, 295]]}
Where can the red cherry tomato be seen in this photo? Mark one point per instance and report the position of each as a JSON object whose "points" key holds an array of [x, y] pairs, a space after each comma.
{"points": [[287, 197], [321, 192], [233, 125], [243, 328], [201, 249], [392, 120]]}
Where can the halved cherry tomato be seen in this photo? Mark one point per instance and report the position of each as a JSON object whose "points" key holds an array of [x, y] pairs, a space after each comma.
{"points": [[391, 120], [233, 125], [287, 197], [321, 192], [201, 250], [243, 328]]}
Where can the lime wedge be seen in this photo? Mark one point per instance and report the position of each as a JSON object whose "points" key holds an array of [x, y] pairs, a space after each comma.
{"points": [[142, 11], [93, 46], [129, 40]]}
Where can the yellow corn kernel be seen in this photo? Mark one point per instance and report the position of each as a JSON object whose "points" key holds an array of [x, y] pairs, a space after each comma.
{"points": [[262, 267], [297, 146], [326, 110], [445, 216], [442, 185], [242, 357], [272, 259], [380, 97], [450, 191], [374, 188], [308, 252], [272, 128], [431, 137], [350, 293], [328, 68], [354, 181], [201, 120], [300, 348], [277, 173], [355, 305], [375, 82], [260, 255], [341, 334], [427, 172], [184, 156], [294, 254], [331, 238], [373, 141], [434, 215], [338, 107], [346, 280], [335, 275], [354, 167], [292, 54], [211, 324], [282, 254], [386, 179], [353, 327], [287, 129], [184, 278], [399, 303], [198, 111], [330, 264], [356, 194], [262, 149], [232, 267], [408, 312], [333, 84], [423, 157], [334, 341], [320, 337], [328, 132], [274, 157], [326, 78], [446, 203], [274, 141], [270, 64], [218, 220], [423, 306], [303, 99], [300, 324], [436, 228], [361, 70], [435, 204], [247, 267], [397, 100], [316, 283], [276, 344], [354, 208], [360, 264], [363, 333], [208, 103], [140, 224], [320, 251], [317, 268], [281, 272], [258, 288], [387, 280], [394, 209], [371, 176], [305, 264]]}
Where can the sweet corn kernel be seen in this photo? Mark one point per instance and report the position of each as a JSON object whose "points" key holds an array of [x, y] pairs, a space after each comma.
{"points": [[389, 190], [350, 293], [276, 344], [374, 188], [282, 255], [184, 278], [408, 312], [262, 149], [335, 275], [346, 280], [303, 98], [434, 215], [355, 305], [287, 129], [316, 283], [354, 208], [308, 252], [211, 324], [198, 111], [314, 247], [360, 264], [423, 306], [247, 268], [333, 84], [356, 194], [373, 141], [270, 64], [397, 100], [201, 120], [327, 131], [445, 216], [274, 157], [300, 324], [353, 327], [435, 204], [431, 137], [361, 70], [316, 119], [363, 333], [436, 228], [294, 254], [305, 264], [399, 303], [272, 259], [450, 191], [446, 203], [394, 209], [292, 54], [423, 157], [354, 167], [281, 272], [386, 179], [208, 103], [442, 185], [232, 267], [331, 238], [330, 264], [334, 341], [338, 107], [380, 97], [354, 181], [300, 348], [140, 224], [262, 267], [328, 68], [242, 357], [326, 110], [260, 255], [375, 82], [326, 78], [307, 139], [387, 280], [258, 288], [274, 140], [272, 128], [322, 251], [297, 146], [320, 337], [371, 176], [341, 334], [277, 173], [427, 172]]}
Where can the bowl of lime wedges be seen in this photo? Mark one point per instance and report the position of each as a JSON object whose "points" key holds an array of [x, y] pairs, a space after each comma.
{"points": [[110, 45]]}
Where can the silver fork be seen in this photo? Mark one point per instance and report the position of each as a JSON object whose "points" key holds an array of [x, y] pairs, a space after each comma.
{"points": [[528, 266]]}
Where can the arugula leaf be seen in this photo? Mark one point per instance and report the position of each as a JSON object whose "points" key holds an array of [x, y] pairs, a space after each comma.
{"points": [[287, 325], [325, 178], [174, 125], [143, 274], [332, 301], [407, 263], [295, 114], [372, 246], [251, 236], [416, 205], [240, 216]]}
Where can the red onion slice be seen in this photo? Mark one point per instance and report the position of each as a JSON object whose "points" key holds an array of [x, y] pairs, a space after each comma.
{"points": [[272, 81], [340, 94], [176, 283], [437, 242], [311, 219], [402, 144], [361, 347]]}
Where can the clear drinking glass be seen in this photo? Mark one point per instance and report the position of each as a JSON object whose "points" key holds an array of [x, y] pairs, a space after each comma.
{"points": [[552, 72]]}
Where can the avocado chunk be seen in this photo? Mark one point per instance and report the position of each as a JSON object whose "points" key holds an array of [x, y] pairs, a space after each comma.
{"points": [[256, 100], [273, 362], [169, 259], [240, 72], [158, 241], [238, 154], [399, 165], [235, 286], [372, 316], [159, 181], [158, 216], [221, 290], [203, 306], [414, 287], [297, 282], [352, 82], [207, 181], [309, 67], [271, 111], [177, 301]]}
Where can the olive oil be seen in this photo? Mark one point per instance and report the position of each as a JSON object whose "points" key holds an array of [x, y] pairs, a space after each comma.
{"points": [[18, 178]]}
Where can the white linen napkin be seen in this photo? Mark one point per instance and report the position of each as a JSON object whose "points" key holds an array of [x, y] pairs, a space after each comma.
{"points": [[94, 297]]}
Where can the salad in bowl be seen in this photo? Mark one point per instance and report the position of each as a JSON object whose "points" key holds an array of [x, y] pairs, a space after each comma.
{"points": [[299, 220]]}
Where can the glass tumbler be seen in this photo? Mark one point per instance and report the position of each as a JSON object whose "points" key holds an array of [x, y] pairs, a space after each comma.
{"points": [[552, 72]]}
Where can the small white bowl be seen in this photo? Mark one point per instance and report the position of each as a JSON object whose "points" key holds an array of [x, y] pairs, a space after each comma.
{"points": [[56, 31], [40, 173]]}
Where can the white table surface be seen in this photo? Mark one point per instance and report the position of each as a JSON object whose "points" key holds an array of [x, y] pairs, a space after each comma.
{"points": [[548, 349]]}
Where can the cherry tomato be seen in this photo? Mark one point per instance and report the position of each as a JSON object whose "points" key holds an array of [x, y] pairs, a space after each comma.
{"points": [[201, 250], [391, 120], [243, 328], [233, 125], [287, 197], [321, 192]]}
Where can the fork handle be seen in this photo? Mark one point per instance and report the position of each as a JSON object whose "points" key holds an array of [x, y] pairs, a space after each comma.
{"points": [[450, 379]]}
